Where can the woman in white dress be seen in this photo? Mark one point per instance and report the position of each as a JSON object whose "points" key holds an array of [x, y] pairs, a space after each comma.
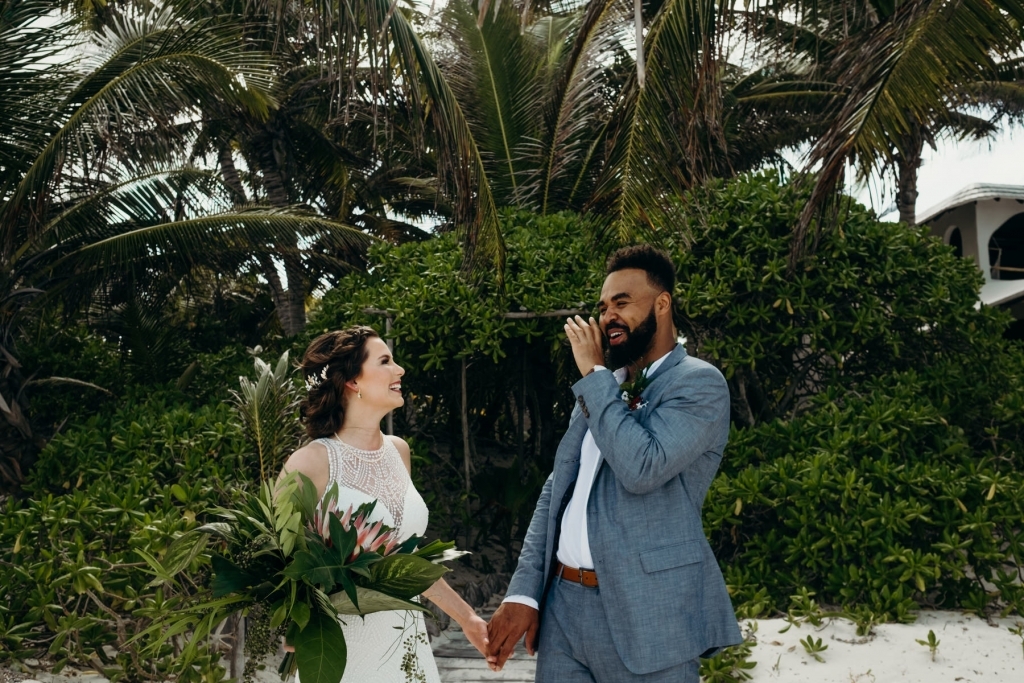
{"points": [[353, 382]]}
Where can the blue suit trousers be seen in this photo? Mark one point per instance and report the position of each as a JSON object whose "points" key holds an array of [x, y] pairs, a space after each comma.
{"points": [[576, 644]]}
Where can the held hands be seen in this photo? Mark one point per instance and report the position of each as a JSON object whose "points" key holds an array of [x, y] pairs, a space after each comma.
{"points": [[586, 341], [510, 622], [475, 629]]}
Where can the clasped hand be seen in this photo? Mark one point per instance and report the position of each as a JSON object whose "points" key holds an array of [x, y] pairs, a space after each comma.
{"points": [[511, 621]]}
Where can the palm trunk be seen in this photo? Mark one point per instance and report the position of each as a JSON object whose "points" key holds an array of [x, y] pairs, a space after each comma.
{"points": [[230, 175], [908, 163], [291, 306]]}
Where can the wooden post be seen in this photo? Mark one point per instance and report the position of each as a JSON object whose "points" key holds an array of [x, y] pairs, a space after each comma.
{"points": [[467, 465], [237, 655], [391, 347], [465, 431]]}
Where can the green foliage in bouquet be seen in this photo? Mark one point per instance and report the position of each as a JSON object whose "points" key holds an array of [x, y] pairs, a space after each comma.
{"points": [[294, 564], [267, 409]]}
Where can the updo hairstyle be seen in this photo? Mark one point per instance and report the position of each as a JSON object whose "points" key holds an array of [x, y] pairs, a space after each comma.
{"points": [[342, 353]]}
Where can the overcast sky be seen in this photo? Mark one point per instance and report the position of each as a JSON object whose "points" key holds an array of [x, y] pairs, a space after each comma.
{"points": [[953, 166]]}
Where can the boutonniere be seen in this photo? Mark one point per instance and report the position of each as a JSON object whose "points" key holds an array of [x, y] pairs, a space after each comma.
{"points": [[632, 391]]}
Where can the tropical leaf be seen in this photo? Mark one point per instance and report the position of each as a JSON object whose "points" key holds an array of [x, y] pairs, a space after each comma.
{"points": [[370, 601], [266, 409], [320, 649], [151, 67], [669, 133], [461, 167], [405, 576]]}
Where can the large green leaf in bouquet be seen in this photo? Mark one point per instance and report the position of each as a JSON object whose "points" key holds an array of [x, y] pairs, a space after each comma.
{"points": [[288, 553]]}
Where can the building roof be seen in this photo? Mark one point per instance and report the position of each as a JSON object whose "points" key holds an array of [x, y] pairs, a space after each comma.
{"points": [[972, 193], [996, 292]]}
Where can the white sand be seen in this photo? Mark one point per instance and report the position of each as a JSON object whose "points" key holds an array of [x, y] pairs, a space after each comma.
{"points": [[970, 650]]}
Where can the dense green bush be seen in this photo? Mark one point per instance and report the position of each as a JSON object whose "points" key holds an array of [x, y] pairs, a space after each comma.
{"points": [[869, 368], [875, 298], [518, 370], [876, 452], [875, 501], [874, 464], [71, 578]]}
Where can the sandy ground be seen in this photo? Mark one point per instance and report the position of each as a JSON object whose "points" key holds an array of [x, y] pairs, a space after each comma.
{"points": [[970, 650]]}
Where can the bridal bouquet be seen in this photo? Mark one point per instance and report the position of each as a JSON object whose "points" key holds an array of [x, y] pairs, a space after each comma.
{"points": [[292, 565]]}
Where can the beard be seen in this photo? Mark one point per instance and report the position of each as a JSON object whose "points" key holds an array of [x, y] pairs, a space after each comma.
{"points": [[638, 342]]}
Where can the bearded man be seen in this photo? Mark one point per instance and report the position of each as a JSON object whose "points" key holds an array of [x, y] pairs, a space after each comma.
{"points": [[616, 581]]}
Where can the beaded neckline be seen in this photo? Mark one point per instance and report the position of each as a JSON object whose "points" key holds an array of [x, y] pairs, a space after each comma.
{"points": [[376, 453]]}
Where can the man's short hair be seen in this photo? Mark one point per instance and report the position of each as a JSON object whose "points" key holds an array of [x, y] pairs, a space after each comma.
{"points": [[661, 272]]}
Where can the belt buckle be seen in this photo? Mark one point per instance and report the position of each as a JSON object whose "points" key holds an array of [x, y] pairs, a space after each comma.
{"points": [[580, 571]]}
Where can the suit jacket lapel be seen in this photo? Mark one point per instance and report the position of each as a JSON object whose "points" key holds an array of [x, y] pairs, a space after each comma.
{"points": [[675, 357]]}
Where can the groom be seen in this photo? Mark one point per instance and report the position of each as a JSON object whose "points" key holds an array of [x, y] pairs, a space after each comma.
{"points": [[616, 575]]}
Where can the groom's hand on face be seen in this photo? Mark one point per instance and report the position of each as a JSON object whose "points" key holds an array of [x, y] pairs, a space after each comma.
{"points": [[587, 343], [510, 621]]}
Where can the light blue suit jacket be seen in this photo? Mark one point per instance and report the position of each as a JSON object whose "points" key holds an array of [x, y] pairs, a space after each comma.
{"points": [[661, 587]]}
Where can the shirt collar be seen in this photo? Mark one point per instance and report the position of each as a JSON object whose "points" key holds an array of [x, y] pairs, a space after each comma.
{"points": [[620, 374]]}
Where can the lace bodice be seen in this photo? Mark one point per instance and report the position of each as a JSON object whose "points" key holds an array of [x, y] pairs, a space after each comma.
{"points": [[383, 647], [378, 475]]}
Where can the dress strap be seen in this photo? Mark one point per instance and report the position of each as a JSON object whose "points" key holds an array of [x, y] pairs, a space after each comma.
{"points": [[333, 460]]}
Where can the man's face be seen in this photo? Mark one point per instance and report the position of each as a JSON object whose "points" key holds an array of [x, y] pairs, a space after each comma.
{"points": [[627, 315]]}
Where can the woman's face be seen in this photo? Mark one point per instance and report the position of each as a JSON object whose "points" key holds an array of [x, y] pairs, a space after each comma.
{"points": [[380, 380]]}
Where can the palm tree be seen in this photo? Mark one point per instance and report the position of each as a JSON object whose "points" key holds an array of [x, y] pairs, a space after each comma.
{"points": [[535, 97], [95, 189], [568, 119], [906, 71]]}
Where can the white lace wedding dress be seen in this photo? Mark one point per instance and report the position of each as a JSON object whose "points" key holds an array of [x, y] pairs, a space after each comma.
{"points": [[384, 647]]}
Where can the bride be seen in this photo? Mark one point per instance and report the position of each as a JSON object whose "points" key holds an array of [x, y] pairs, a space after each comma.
{"points": [[353, 382]]}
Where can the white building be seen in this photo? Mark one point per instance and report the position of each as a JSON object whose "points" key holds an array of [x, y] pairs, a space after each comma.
{"points": [[986, 223]]}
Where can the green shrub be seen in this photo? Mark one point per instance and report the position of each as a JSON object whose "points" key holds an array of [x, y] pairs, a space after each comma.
{"points": [[876, 298], [873, 501], [518, 370], [71, 581], [875, 459]]}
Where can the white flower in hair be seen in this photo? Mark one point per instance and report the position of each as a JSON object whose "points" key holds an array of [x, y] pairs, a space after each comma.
{"points": [[313, 381]]}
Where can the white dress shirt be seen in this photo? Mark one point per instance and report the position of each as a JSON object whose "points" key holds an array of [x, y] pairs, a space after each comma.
{"points": [[574, 543]]}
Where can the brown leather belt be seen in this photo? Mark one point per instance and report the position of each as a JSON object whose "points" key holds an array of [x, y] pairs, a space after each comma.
{"points": [[585, 577]]}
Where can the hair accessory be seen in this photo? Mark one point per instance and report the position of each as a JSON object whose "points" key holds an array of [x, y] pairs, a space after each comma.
{"points": [[313, 381]]}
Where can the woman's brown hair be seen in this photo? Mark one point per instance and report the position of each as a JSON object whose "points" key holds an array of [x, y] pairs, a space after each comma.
{"points": [[330, 360]]}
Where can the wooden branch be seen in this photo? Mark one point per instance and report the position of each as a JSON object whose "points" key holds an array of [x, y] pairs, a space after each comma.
{"points": [[514, 315]]}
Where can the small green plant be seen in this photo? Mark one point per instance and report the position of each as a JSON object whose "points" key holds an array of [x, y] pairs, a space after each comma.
{"points": [[813, 646], [932, 643], [1018, 630], [730, 665]]}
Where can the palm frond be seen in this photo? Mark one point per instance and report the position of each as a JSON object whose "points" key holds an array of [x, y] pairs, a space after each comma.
{"points": [[493, 73], [30, 71], [461, 166], [897, 77], [670, 136], [207, 240], [146, 71], [576, 107]]}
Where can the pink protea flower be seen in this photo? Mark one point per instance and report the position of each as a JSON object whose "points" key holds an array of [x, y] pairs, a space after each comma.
{"points": [[391, 545], [370, 536], [384, 538], [367, 534]]}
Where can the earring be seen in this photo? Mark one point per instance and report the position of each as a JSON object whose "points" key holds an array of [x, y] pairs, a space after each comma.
{"points": [[359, 393]]}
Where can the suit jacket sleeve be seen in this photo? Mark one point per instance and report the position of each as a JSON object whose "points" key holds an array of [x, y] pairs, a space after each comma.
{"points": [[679, 429], [529, 577]]}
